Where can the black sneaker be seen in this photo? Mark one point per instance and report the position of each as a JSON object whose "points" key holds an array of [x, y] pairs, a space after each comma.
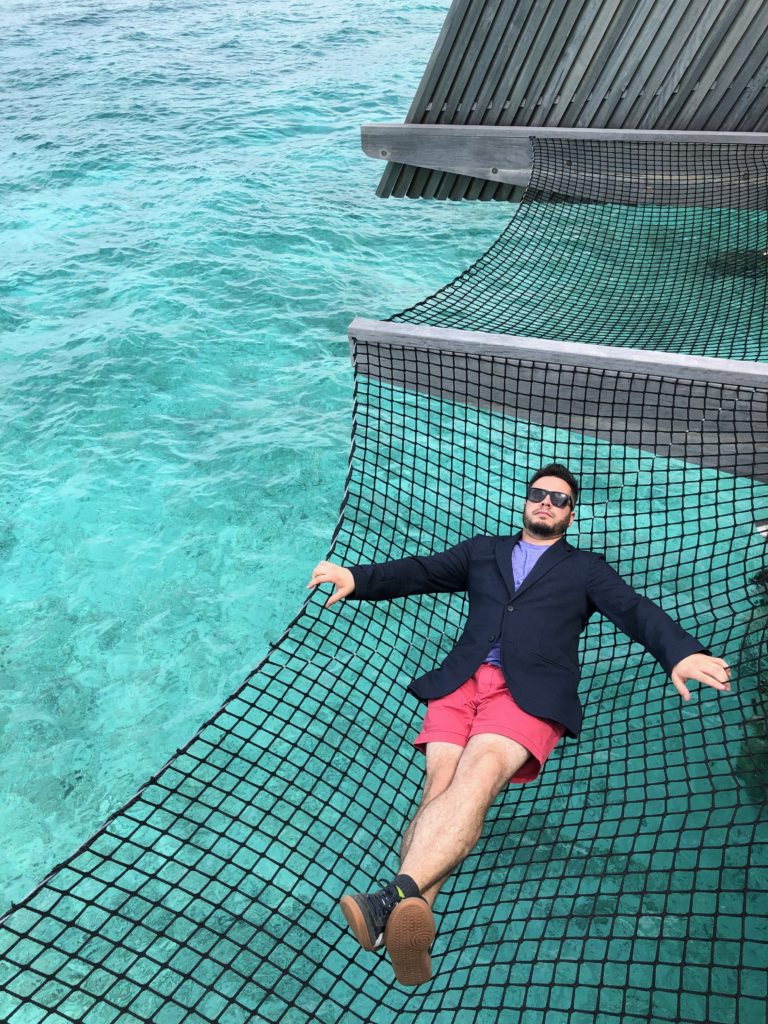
{"points": [[367, 915]]}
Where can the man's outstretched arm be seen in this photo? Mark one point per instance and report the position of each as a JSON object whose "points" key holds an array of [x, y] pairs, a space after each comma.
{"points": [[678, 653], [447, 572]]}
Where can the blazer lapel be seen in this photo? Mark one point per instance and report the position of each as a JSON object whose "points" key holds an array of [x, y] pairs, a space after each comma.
{"points": [[504, 546]]}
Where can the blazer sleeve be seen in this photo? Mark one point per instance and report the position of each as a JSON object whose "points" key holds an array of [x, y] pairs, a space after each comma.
{"points": [[639, 617], [447, 572]]}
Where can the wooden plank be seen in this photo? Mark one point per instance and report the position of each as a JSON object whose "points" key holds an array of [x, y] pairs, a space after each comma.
{"points": [[703, 73], [651, 108], [757, 102], [604, 34], [399, 179], [506, 59], [483, 89], [392, 141], [530, 43], [446, 41], [504, 155], [608, 357], [546, 76], [625, 53], [558, 106], [746, 64], [478, 64], [464, 39], [660, 41], [680, 407], [469, 150]]}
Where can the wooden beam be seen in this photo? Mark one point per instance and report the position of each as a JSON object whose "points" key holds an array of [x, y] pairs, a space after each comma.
{"points": [[568, 353], [711, 412], [504, 154]]}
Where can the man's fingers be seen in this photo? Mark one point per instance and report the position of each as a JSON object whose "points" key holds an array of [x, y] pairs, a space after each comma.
{"points": [[682, 689], [720, 670], [319, 574], [714, 676], [705, 669], [707, 679], [320, 577]]}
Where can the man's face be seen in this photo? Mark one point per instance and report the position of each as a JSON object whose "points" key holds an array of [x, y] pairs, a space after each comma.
{"points": [[542, 518]]}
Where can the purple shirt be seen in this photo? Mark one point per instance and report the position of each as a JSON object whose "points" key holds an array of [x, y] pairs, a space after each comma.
{"points": [[524, 557]]}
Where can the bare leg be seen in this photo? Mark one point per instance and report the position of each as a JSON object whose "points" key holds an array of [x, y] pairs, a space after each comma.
{"points": [[447, 826], [442, 759]]}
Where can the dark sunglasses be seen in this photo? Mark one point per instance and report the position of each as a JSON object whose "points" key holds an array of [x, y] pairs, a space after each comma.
{"points": [[558, 498]]}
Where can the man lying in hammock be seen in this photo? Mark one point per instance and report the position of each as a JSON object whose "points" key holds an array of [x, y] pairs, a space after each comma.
{"points": [[505, 694]]}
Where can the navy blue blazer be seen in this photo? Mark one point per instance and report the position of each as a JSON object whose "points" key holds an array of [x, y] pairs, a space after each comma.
{"points": [[538, 624]]}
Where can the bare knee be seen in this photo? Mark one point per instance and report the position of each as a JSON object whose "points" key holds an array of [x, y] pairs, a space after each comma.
{"points": [[442, 761], [487, 765], [436, 783]]}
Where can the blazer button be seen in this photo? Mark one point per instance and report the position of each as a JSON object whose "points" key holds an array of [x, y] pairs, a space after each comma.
{"points": [[510, 607]]}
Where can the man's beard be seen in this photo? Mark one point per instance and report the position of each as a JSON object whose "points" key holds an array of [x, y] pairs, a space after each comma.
{"points": [[543, 529]]}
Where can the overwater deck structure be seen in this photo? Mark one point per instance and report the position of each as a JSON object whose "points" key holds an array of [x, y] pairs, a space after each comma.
{"points": [[618, 324], [540, 69]]}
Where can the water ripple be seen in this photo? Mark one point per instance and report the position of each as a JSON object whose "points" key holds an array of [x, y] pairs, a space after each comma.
{"points": [[189, 226]]}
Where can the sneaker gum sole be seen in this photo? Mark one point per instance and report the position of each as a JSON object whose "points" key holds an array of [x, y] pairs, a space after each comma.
{"points": [[410, 932], [356, 922]]}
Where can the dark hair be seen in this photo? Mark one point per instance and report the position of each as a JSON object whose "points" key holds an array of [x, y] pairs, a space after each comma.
{"points": [[562, 472]]}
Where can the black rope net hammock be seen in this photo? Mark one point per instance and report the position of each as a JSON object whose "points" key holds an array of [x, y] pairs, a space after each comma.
{"points": [[628, 884]]}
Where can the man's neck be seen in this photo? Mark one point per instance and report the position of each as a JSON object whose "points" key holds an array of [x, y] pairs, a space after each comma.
{"points": [[545, 542]]}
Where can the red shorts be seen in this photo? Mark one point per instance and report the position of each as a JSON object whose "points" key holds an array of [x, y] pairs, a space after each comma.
{"points": [[484, 705]]}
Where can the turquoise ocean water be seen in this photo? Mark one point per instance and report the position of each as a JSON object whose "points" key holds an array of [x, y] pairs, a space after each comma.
{"points": [[187, 226]]}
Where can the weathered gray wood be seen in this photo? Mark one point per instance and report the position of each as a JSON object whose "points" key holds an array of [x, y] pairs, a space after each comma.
{"points": [[595, 25], [504, 154], [609, 357], [547, 75], [707, 411], [470, 40], [399, 179], [397, 139], [507, 53], [642, 64], [479, 49], [728, 44], [607, 40], [670, 78], [661, 40], [747, 69], [485, 90], [452, 27], [531, 35]]}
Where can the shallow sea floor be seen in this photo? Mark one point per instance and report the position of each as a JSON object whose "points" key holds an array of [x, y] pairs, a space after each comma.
{"points": [[188, 225]]}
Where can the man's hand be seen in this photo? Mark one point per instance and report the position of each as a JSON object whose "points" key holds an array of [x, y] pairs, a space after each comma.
{"points": [[705, 669], [342, 579]]}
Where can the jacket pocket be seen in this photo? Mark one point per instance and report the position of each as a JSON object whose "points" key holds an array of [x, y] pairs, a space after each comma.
{"points": [[555, 665], [563, 666]]}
